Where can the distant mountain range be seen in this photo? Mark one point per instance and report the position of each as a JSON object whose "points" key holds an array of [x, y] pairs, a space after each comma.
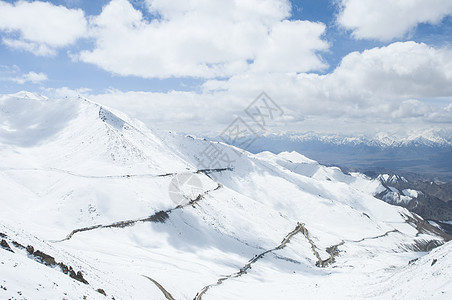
{"points": [[427, 153], [431, 138]]}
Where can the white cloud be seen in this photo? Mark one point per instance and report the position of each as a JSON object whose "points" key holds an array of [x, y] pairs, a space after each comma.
{"points": [[255, 46], [388, 86], [290, 48], [40, 27], [65, 92], [411, 109], [389, 19], [405, 69], [32, 77], [206, 39], [35, 48], [13, 73], [264, 11]]}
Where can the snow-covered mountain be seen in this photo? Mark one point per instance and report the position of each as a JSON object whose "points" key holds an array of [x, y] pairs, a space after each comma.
{"points": [[430, 138], [95, 205], [426, 152], [430, 200]]}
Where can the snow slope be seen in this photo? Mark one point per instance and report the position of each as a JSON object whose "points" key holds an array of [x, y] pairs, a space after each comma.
{"points": [[89, 187]]}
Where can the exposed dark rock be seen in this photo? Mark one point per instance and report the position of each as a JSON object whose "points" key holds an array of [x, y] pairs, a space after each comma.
{"points": [[64, 268], [413, 261], [17, 245], [44, 258], [434, 261], [74, 275], [333, 251], [160, 216], [208, 171], [101, 291], [423, 226], [50, 262], [77, 276], [434, 202], [30, 249], [425, 246], [446, 227], [4, 244]]}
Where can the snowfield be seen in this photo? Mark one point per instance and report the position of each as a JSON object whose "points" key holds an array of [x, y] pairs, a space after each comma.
{"points": [[86, 213]]}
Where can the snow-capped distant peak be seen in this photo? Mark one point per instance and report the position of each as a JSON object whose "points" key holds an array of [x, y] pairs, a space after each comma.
{"points": [[28, 95], [296, 157], [429, 138], [386, 178], [383, 177]]}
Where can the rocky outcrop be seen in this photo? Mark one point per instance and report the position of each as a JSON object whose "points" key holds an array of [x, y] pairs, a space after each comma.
{"points": [[42, 258]]}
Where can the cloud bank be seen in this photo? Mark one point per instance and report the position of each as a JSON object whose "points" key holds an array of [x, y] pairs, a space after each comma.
{"points": [[40, 27], [388, 19], [391, 87], [14, 74], [204, 39], [241, 48]]}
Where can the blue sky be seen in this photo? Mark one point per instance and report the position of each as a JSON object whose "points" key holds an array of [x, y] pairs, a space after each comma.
{"points": [[62, 71], [177, 56]]}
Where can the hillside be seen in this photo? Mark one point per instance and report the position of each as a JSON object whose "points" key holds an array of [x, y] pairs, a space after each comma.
{"points": [[95, 205]]}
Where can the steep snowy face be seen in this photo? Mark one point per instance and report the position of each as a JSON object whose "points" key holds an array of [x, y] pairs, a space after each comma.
{"points": [[127, 208], [72, 162], [81, 136]]}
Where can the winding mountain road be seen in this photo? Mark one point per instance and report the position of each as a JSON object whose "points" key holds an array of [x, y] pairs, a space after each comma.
{"points": [[160, 216], [161, 288], [247, 266]]}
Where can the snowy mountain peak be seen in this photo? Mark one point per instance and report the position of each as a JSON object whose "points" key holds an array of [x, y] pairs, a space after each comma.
{"points": [[27, 95], [386, 178], [95, 204], [110, 118], [429, 138], [76, 128], [296, 157]]}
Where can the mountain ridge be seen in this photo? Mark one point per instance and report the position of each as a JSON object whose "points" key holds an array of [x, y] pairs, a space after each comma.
{"points": [[88, 169]]}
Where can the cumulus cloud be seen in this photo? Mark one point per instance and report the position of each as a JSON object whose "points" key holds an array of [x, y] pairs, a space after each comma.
{"points": [[13, 73], [400, 70], [243, 48], [35, 48], [64, 91], [390, 85], [205, 39], [32, 77], [388, 19], [387, 88], [40, 27]]}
